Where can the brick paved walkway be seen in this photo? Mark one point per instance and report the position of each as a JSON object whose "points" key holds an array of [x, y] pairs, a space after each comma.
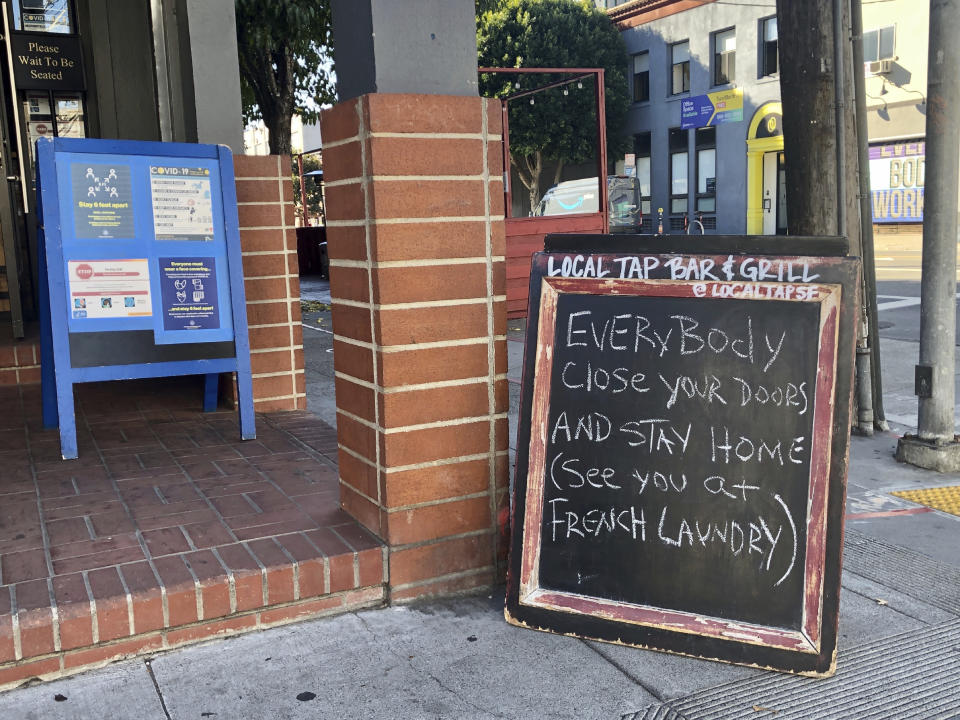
{"points": [[167, 529]]}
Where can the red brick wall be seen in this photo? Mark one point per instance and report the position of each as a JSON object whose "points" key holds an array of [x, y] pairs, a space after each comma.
{"points": [[414, 199], [271, 281], [20, 363]]}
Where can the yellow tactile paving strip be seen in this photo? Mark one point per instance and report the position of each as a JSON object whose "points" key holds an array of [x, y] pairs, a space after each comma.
{"points": [[941, 498]]}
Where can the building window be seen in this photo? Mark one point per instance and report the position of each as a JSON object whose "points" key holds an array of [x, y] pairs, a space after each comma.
{"points": [[51, 16], [724, 56], [878, 44], [680, 67], [769, 62], [706, 144], [641, 149], [679, 169], [641, 77]]}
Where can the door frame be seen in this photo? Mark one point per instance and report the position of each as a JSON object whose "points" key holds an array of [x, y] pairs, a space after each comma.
{"points": [[12, 179], [764, 135]]}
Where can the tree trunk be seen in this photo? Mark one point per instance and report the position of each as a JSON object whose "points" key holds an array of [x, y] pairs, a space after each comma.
{"points": [[529, 168], [277, 115], [278, 127], [558, 172], [534, 193], [276, 99]]}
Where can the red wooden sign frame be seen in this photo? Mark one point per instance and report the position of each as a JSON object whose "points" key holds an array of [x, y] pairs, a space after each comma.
{"points": [[741, 268]]}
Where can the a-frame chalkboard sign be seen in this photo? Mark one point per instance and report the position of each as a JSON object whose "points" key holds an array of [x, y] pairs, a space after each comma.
{"points": [[683, 446], [140, 270]]}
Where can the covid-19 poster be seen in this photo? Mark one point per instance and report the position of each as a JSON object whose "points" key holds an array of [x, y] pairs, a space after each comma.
{"points": [[182, 204]]}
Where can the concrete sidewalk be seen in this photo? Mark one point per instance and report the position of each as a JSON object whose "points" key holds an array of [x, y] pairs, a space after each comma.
{"points": [[899, 653], [899, 644]]}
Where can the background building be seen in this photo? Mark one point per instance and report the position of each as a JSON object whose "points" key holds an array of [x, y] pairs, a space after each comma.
{"points": [[136, 70], [895, 54], [304, 137], [706, 117], [733, 171]]}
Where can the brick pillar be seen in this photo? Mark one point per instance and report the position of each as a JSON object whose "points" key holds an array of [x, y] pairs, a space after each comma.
{"points": [[414, 197], [271, 281]]}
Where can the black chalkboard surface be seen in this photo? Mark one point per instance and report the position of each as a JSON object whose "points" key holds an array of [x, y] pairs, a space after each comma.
{"points": [[682, 452]]}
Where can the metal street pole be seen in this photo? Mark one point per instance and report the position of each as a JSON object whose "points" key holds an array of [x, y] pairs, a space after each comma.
{"points": [[303, 192], [938, 283], [866, 216]]}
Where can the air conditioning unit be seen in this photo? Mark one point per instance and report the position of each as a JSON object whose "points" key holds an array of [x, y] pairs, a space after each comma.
{"points": [[878, 67]]}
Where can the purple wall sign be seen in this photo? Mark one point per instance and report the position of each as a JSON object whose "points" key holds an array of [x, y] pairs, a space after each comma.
{"points": [[897, 175]]}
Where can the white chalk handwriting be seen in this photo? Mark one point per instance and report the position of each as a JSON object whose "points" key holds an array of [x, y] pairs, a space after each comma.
{"points": [[645, 267]]}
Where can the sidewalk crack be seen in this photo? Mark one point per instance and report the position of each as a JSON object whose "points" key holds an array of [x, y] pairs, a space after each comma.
{"points": [[623, 671], [156, 686], [425, 673]]}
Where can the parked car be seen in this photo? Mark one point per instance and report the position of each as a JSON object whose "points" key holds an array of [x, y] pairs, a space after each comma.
{"points": [[582, 196]]}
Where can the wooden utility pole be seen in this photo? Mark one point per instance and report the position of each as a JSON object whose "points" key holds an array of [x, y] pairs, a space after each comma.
{"points": [[820, 140], [814, 149], [809, 129]]}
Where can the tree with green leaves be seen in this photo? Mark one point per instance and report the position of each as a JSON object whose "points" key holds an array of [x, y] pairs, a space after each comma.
{"points": [[286, 63], [483, 6], [560, 127]]}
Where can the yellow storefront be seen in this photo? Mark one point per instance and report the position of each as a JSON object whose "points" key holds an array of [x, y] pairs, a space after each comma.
{"points": [[766, 186]]}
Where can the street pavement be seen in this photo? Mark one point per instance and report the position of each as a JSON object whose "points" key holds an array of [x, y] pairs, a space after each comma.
{"points": [[899, 643]]}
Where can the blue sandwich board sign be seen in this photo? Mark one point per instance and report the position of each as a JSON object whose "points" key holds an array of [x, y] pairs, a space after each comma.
{"points": [[140, 270]]}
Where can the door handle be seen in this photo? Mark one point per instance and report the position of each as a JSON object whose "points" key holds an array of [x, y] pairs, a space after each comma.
{"points": [[13, 178]]}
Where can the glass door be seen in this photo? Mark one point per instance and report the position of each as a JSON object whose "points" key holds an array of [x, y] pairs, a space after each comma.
{"points": [[52, 114], [43, 83], [781, 196]]}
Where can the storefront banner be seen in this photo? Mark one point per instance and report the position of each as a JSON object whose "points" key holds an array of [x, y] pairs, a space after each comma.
{"points": [[896, 181], [714, 108]]}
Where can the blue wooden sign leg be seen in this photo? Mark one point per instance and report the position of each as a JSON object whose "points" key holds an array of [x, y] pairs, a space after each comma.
{"points": [[228, 188], [68, 421], [211, 387], [48, 380], [248, 429]]}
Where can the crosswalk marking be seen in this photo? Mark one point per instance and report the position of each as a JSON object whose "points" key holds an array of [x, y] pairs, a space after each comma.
{"points": [[899, 302]]}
